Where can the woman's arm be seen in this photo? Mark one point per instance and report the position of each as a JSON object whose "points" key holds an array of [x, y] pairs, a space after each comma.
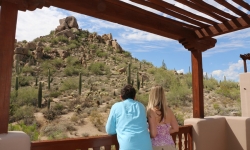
{"points": [[152, 123], [173, 122]]}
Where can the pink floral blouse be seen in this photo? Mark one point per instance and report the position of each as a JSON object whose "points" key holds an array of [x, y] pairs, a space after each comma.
{"points": [[163, 137]]}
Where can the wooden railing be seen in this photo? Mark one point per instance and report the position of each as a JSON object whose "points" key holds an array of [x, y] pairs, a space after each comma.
{"points": [[183, 142]]}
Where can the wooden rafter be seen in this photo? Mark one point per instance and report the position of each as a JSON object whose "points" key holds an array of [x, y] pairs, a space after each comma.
{"points": [[126, 14]]}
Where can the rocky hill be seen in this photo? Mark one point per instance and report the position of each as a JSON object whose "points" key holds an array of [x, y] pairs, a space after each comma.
{"points": [[64, 83]]}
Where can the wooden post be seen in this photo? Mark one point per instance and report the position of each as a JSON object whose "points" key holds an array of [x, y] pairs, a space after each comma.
{"points": [[8, 20], [245, 65], [197, 81]]}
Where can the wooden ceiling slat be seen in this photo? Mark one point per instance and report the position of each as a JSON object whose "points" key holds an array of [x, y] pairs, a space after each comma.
{"points": [[231, 7], [128, 15], [209, 7], [171, 13], [181, 11], [170, 20], [224, 30], [195, 7], [242, 4]]}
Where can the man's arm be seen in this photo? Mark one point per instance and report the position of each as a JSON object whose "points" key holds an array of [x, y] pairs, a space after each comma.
{"points": [[111, 122]]}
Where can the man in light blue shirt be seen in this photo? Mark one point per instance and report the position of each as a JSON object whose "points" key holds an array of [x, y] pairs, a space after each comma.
{"points": [[128, 120]]}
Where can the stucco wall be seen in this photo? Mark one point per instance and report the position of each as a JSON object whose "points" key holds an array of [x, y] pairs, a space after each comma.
{"points": [[220, 133], [14, 140], [245, 94]]}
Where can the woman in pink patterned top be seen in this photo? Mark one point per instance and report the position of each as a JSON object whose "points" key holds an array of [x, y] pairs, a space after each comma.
{"points": [[161, 119]]}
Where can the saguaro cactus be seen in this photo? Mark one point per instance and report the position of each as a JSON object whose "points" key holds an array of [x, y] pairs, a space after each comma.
{"points": [[138, 81], [49, 79], [36, 81], [129, 74], [48, 106], [40, 94], [80, 83], [142, 81], [16, 86]]}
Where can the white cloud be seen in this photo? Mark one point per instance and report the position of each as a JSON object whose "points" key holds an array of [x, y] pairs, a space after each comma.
{"points": [[32, 24], [232, 73], [136, 35], [180, 71]]}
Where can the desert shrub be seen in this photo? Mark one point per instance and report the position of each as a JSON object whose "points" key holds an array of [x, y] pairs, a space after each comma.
{"points": [[210, 84], [27, 96], [69, 84], [54, 41], [127, 54], [180, 119], [164, 77], [25, 80], [49, 114], [47, 49], [100, 53], [97, 68], [188, 80], [55, 94], [143, 98], [229, 89], [25, 113], [31, 130], [63, 39], [54, 131], [97, 119], [85, 134], [71, 70], [57, 62], [47, 64], [178, 95], [93, 46], [27, 69], [72, 61]]}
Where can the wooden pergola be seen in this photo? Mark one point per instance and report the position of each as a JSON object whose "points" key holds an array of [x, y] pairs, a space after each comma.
{"points": [[194, 32], [245, 57]]}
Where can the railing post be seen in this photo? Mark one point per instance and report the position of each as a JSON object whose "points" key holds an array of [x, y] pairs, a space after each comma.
{"points": [[8, 20]]}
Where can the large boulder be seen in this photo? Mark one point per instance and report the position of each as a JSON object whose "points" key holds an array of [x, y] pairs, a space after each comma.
{"points": [[67, 23], [30, 46], [67, 33], [116, 46]]}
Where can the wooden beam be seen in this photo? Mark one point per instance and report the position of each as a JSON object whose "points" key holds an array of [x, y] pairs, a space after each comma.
{"points": [[8, 19], [197, 81], [242, 4], [172, 13], [128, 15], [212, 8], [200, 9], [182, 11], [231, 7]]}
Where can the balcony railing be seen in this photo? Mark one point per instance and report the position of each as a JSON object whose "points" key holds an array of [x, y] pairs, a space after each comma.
{"points": [[183, 140]]}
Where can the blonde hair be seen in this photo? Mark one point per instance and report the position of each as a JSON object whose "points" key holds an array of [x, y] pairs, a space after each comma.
{"points": [[157, 100]]}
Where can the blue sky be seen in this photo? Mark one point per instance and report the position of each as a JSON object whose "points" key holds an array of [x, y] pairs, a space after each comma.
{"points": [[222, 60]]}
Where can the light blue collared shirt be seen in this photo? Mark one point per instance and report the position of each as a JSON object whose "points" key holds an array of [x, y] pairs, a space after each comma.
{"points": [[128, 120]]}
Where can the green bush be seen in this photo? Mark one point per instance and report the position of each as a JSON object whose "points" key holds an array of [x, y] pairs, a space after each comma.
{"points": [[57, 62], [97, 68], [31, 130], [72, 61], [143, 98], [63, 39], [55, 131], [100, 53], [179, 95], [27, 69], [71, 70], [210, 84], [70, 84], [25, 80], [25, 113], [27, 96]]}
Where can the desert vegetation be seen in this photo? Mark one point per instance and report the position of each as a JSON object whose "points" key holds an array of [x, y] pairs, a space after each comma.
{"points": [[69, 90]]}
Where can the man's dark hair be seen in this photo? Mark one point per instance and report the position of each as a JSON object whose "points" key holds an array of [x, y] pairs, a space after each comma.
{"points": [[128, 91]]}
